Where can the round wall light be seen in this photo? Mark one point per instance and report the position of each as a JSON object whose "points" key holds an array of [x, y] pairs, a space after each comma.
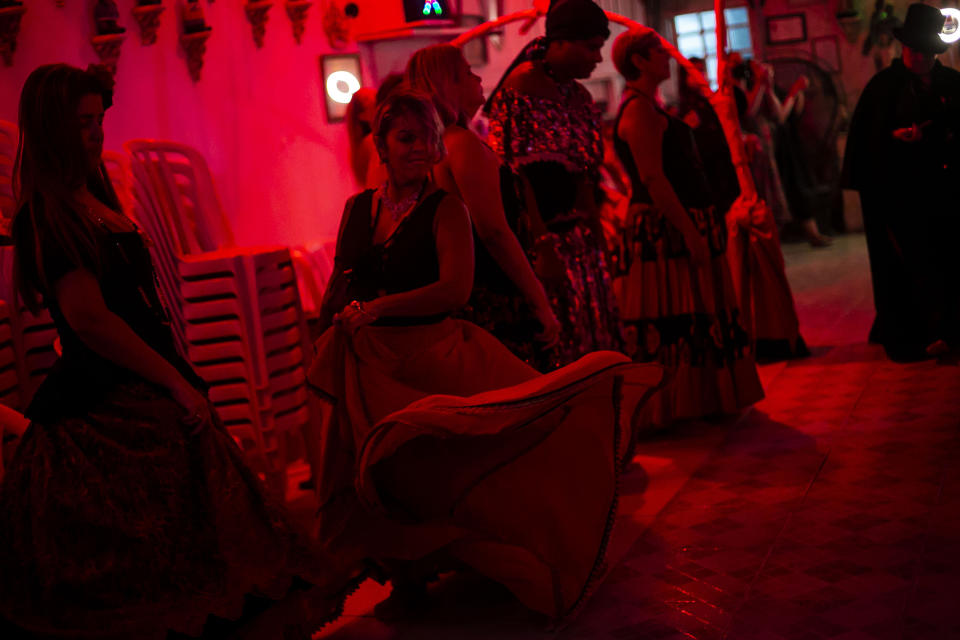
{"points": [[951, 26], [336, 82]]}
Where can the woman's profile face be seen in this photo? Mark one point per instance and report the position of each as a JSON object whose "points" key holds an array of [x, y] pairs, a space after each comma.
{"points": [[90, 119], [469, 89], [409, 149], [581, 57], [657, 63]]}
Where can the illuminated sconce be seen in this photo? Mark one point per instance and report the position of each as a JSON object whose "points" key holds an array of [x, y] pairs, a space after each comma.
{"points": [[951, 25], [341, 85], [341, 78]]}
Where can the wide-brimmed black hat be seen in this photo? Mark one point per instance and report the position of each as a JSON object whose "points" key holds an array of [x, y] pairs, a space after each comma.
{"points": [[921, 30]]}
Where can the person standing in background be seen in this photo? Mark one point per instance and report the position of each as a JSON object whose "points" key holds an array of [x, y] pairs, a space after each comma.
{"points": [[903, 156]]}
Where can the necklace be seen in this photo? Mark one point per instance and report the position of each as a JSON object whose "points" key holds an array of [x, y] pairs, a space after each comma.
{"points": [[399, 207]]}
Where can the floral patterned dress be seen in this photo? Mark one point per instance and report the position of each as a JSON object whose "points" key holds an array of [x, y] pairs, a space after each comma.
{"points": [[555, 146]]}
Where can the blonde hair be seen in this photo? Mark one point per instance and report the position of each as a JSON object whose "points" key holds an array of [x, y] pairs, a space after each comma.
{"points": [[404, 101], [433, 70], [636, 40]]}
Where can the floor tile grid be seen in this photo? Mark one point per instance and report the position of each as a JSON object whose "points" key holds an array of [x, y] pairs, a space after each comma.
{"points": [[686, 594], [869, 597], [778, 541]]}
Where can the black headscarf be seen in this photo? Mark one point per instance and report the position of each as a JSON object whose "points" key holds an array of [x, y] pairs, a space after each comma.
{"points": [[576, 20], [566, 20]]}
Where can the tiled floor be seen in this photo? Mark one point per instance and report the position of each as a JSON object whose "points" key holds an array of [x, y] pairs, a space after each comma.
{"points": [[830, 510]]}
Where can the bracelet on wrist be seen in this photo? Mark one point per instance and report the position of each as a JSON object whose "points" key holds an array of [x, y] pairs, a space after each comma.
{"points": [[361, 308]]}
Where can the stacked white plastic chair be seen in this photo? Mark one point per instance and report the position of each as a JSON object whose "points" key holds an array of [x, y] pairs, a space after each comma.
{"points": [[32, 335], [8, 152], [9, 377], [236, 311], [121, 177]]}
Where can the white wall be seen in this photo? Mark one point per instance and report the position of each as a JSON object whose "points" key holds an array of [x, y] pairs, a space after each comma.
{"points": [[257, 115]]}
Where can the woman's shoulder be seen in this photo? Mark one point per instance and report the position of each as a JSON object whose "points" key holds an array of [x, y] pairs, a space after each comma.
{"points": [[528, 79], [461, 141], [359, 198], [636, 109]]}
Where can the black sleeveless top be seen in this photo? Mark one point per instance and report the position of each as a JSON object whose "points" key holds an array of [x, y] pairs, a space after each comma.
{"points": [[81, 377], [407, 260], [681, 162]]}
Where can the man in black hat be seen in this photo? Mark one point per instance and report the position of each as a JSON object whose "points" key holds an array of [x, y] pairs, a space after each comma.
{"points": [[903, 156]]}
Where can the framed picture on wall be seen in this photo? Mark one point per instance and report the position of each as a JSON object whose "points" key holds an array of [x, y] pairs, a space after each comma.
{"points": [[340, 78], [826, 51], [789, 28]]}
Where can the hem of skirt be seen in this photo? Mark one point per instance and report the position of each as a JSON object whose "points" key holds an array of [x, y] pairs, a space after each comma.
{"points": [[620, 463], [600, 563]]}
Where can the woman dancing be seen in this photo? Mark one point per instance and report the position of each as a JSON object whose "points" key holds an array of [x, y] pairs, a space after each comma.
{"points": [[439, 447]]}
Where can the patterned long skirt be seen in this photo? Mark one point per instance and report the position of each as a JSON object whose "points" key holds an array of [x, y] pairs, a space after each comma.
{"points": [[120, 524], [684, 317], [582, 298]]}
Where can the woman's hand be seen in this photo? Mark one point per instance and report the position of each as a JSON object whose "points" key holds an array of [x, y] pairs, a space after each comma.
{"points": [[550, 334], [548, 265], [355, 315], [198, 410]]}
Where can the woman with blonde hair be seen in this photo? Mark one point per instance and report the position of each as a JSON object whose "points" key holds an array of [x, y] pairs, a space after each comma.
{"points": [[507, 299], [438, 446]]}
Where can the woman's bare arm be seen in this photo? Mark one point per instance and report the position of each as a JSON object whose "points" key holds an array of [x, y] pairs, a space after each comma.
{"points": [[475, 172], [642, 126]]}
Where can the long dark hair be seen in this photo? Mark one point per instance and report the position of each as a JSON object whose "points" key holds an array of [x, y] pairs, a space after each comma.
{"points": [[51, 164]]}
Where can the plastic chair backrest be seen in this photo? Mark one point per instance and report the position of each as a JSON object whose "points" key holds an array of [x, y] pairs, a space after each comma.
{"points": [[183, 189], [8, 153], [165, 249], [119, 171]]}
